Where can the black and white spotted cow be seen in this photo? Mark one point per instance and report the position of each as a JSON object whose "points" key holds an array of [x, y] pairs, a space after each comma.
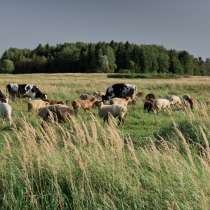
{"points": [[120, 90], [25, 90]]}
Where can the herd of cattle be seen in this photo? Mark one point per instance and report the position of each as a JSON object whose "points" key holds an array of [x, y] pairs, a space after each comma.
{"points": [[113, 102]]}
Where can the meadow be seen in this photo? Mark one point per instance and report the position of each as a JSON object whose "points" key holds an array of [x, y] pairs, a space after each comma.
{"points": [[156, 161]]}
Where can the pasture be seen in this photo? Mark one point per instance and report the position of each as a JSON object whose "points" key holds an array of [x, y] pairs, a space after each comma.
{"points": [[139, 125], [155, 161]]}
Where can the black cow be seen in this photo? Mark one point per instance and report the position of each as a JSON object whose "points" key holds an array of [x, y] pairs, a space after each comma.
{"points": [[120, 90], [25, 90], [149, 105]]}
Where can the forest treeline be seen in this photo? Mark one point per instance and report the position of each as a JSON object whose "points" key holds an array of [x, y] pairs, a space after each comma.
{"points": [[112, 57]]}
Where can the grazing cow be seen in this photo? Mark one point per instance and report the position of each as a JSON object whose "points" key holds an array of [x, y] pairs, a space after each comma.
{"points": [[175, 100], [84, 104], [34, 105], [25, 90], [58, 113], [149, 105], [120, 90], [161, 104], [189, 100], [116, 110]]}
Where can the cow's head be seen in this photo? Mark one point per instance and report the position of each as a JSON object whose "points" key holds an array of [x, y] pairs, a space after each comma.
{"points": [[104, 98], [43, 96], [38, 93]]}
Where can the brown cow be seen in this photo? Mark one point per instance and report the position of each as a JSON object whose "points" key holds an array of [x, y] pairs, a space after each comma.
{"points": [[58, 113], [84, 104]]}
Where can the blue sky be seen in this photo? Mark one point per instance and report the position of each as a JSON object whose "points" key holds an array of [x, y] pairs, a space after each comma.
{"points": [[179, 24]]}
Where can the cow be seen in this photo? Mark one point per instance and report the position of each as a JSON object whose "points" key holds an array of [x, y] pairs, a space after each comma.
{"points": [[57, 112], [25, 90], [120, 90], [149, 105]]}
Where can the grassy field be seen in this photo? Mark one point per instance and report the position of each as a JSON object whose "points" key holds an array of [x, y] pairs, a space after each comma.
{"points": [[139, 125], [156, 161]]}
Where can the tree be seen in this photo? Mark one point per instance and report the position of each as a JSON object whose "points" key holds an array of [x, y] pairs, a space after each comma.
{"points": [[103, 57], [103, 63], [83, 59], [7, 66], [149, 62], [175, 66], [207, 66], [109, 52], [187, 62], [91, 56], [163, 62], [132, 66]]}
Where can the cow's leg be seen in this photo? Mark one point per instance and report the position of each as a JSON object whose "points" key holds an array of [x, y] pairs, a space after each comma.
{"points": [[13, 96], [106, 118]]}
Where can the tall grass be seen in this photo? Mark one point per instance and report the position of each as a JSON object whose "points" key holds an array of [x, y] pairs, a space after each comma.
{"points": [[90, 166], [154, 162]]}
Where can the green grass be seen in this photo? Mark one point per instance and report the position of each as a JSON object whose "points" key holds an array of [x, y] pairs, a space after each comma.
{"points": [[156, 161], [146, 76]]}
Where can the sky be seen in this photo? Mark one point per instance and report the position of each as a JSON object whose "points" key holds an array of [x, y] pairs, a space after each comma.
{"points": [[178, 24]]}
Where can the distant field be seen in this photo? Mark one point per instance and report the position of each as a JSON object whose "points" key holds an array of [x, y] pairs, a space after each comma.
{"points": [[156, 161]]}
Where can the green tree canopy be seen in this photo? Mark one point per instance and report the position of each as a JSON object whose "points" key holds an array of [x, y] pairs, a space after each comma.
{"points": [[7, 66], [102, 57]]}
